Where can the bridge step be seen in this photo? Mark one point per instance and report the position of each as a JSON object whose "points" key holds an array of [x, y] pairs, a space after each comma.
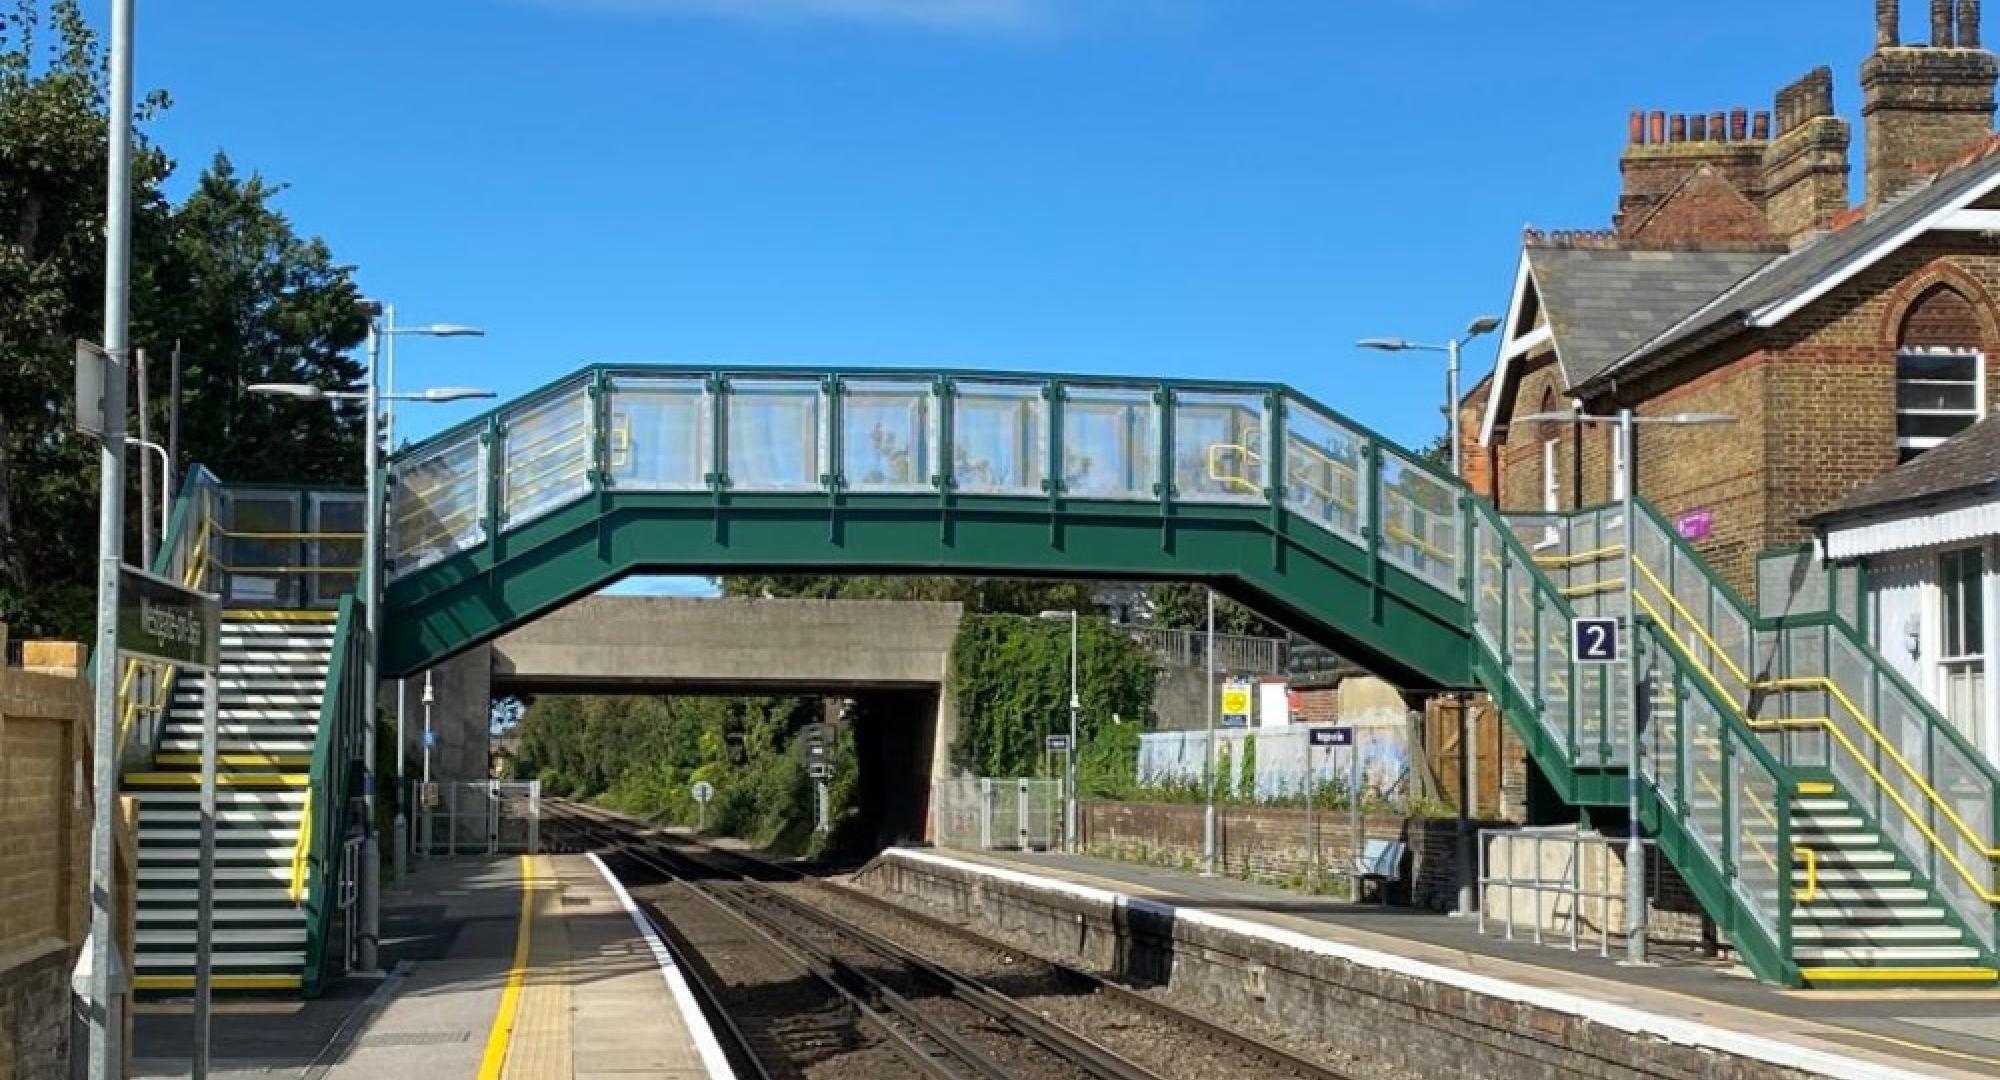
{"points": [[274, 668]]}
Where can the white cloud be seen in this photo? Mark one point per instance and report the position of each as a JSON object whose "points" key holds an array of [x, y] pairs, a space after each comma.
{"points": [[936, 14]]}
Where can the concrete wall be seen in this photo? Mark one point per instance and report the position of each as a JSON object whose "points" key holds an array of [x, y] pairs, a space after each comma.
{"points": [[44, 830], [761, 645]]}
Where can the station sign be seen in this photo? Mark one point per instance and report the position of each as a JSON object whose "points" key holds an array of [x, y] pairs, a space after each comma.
{"points": [[1594, 640], [1332, 736], [703, 791], [1059, 744], [167, 622], [819, 770]]}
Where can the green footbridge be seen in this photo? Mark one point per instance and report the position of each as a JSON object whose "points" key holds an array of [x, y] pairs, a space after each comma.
{"points": [[1834, 826]]}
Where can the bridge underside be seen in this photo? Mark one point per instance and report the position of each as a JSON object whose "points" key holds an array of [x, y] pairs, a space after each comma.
{"points": [[1296, 574]]}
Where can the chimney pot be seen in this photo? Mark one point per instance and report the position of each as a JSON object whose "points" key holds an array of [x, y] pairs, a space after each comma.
{"points": [[1968, 24], [1718, 126], [1656, 128], [1698, 128], [1760, 126], [1941, 35], [1680, 129], [1888, 16], [1638, 127], [1739, 125]]}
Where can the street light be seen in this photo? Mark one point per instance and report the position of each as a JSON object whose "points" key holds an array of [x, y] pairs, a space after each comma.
{"points": [[1069, 758], [368, 939], [1635, 849], [1478, 327]]}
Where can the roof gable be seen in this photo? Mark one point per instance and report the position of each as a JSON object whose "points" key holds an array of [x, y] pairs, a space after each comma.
{"points": [[1704, 208], [1787, 285]]}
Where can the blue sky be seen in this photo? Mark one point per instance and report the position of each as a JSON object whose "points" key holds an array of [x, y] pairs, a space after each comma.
{"points": [[1173, 187]]}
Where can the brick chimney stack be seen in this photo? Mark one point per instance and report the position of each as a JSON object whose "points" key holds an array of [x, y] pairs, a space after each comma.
{"points": [[1805, 168], [1664, 151], [1924, 105]]}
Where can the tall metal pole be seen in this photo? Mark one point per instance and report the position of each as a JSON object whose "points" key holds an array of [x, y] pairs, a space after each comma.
{"points": [[1635, 848], [401, 831], [1467, 759], [1209, 839], [174, 416], [424, 840], [105, 1062], [370, 933], [148, 539], [1069, 767], [204, 924]]}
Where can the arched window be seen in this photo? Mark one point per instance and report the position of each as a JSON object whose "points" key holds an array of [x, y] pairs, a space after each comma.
{"points": [[1549, 434], [1940, 372]]}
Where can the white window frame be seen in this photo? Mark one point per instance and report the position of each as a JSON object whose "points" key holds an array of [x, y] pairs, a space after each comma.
{"points": [[1551, 490], [1971, 654], [1618, 476], [1921, 443]]}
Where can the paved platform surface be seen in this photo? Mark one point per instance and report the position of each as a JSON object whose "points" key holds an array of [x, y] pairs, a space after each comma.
{"points": [[579, 995], [1942, 1033]]}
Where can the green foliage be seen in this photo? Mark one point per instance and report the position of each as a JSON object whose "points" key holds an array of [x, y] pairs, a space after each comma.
{"points": [[1246, 782], [1180, 606], [1010, 675], [643, 755], [223, 274]]}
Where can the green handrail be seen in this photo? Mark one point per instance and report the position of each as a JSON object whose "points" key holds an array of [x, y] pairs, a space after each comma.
{"points": [[317, 850]]}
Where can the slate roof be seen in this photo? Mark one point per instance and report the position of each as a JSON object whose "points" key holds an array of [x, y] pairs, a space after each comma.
{"points": [[1604, 302], [1968, 461], [1799, 271]]}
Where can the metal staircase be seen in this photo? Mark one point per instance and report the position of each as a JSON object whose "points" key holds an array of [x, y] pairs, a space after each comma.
{"points": [[274, 668], [1846, 853]]}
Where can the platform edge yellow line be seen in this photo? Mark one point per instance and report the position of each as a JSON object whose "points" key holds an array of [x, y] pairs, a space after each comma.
{"points": [[495, 1058]]}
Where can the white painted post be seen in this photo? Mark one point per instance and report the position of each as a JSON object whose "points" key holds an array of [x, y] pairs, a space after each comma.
{"points": [[1989, 741]]}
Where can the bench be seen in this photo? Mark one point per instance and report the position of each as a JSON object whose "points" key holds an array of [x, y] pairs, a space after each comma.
{"points": [[1380, 861]]}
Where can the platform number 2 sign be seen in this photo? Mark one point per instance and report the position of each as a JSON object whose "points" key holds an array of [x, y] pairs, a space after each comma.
{"points": [[1593, 641]]}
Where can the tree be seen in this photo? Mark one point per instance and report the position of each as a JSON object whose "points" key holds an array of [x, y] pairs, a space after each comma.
{"points": [[224, 273], [1185, 607], [984, 596]]}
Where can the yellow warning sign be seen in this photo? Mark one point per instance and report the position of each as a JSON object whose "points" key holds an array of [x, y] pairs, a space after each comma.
{"points": [[1236, 699]]}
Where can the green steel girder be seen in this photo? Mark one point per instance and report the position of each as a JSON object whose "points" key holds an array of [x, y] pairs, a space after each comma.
{"points": [[1399, 625]]}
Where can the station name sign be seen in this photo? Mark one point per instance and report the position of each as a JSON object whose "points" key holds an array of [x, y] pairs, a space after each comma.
{"points": [[167, 622]]}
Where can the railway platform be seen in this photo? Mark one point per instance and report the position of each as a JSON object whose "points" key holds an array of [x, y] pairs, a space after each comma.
{"points": [[503, 968], [1874, 1033]]}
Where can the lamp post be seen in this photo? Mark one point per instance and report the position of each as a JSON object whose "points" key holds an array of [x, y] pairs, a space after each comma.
{"points": [[1478, 327], [390, 332], [1069, 757], [368, 938], [1210, 842], [1635, 847]]}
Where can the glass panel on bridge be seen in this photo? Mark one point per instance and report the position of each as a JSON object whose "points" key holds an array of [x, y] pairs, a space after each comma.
{"points": [[1323, 470], [1419, 521], [336, 521], [1000, 437], [1220, 449], [547, 453], [1110, 442], [440, 502], [263, 547], [888, 434], [775, 435], [659, 438]]}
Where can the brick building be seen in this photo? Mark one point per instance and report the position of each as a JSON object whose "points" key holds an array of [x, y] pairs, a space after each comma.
{"points": [[1737, 278]]}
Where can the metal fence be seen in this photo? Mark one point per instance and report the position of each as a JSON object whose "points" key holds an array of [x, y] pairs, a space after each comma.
{"points": [[475, 817], [1556, 884], [1237, 654], [998, 815]]}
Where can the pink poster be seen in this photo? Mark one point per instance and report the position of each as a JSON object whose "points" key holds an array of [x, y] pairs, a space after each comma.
{"points": [[1696, 526]]}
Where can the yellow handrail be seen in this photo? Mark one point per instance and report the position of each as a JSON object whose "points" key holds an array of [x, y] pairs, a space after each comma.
{"points": [[1811, 891], [302, 851], [1687, 654], [1833, 688]]}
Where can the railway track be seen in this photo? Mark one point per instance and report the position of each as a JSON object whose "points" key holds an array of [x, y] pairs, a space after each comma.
{"points": [[856, 1003]]}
